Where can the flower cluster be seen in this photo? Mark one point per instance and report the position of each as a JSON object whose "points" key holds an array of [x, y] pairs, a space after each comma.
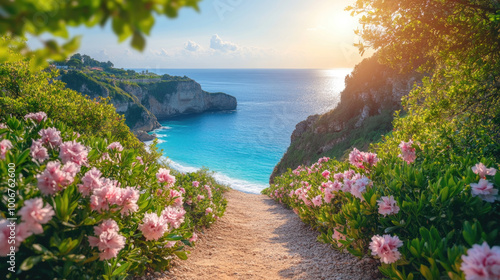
{"points": [[481, 262], [38, 117], [359, 159], [107, 239], [386, 248], [484, 188], [407, 151]]}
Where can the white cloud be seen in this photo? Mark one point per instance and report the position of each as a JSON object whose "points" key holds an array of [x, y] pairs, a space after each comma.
{"points": [[218, 44], [191, 46]]}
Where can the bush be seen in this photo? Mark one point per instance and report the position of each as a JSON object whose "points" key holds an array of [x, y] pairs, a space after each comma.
{"points": [[88, 208], [367, 206]]}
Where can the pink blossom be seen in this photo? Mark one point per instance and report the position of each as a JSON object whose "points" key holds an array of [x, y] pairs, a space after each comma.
{"points": [[108, 239], [359, 187], [5, 145], [356, 158], [174, 216], [200, 197], [387, 205], [326, 174], [485, 190], [140, 160], [164, 176], [38, 117], [370, 158], [107, 195], [128, 200], [91, 180], [182, 190], [407, 151], [71, 168], [482, 171], [337, 235], [323, 159], [153, 227], [208, 210], [349, 173], [115, 146], [34, 214], [386, 247], [481, 262], [194, 237], [23, 231], [338, 176], [317, 201], [51, 136], [196, 184], [170, 244], [73, 151], [53, 179], [177, 197], [38, 152], [3, 126]]}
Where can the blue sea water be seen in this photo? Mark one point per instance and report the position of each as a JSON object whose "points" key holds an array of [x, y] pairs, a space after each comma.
{"points": [[244, 145]]}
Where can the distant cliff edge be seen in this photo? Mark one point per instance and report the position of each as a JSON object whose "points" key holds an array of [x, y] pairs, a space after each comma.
{"points": [[145, 101], [365, 111]]}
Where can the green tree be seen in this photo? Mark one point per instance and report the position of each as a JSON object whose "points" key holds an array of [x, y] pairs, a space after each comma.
{"points": [[74, 62], [457, 44], [22, 18]]}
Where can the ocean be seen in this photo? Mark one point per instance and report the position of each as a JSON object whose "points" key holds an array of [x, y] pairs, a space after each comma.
{"points": [[243, 146]]}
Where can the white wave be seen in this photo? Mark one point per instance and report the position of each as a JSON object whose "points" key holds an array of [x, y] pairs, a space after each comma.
{"points": [[161, 141], [237, 184]]}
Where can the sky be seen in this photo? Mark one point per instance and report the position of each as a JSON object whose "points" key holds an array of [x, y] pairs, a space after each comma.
{"points": [[315, 34]]}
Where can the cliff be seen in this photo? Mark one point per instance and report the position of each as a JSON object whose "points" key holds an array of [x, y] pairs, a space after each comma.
{"points": [[144, 103], [365, 112]]}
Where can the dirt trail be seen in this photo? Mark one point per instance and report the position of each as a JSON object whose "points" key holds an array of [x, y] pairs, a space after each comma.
{"points": [[260, 239]]}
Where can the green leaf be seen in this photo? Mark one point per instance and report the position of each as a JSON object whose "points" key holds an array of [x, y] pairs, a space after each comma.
{"points": [[181, 254], [426, 272], [138, 41], [30, 262], [124, 267]]}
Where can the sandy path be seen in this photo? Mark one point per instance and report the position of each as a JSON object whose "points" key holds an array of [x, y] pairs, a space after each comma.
{"points": [[259, 239]]}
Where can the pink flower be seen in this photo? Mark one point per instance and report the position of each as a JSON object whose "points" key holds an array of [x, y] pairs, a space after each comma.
{"points": [[107, 195], [140, 160], [317, 201], [356, 158], [407, 151], [326, 174], [108, 239], [337, 235], [348, 174], [208, 210], [38, 117], [128, 200], [174, 216], [338, 176], [164, 176], [38, 152], [370, 158], [194, 237], [359, 187], [485, 190], [481, 263], [91, 180], [115, 146], [387, 206], [53, 179], [200, 197], [34, 214], [177, 197], [170, 244], [5, 145], [386, 247], [51, 136], [153, 227], [71, 168], [482, 171], [73, 151], [323, 159], [3, 126]]}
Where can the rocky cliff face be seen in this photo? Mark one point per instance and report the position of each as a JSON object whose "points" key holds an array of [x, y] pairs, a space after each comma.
{"points": [[372, 93], [143, 104], [169, 99]]}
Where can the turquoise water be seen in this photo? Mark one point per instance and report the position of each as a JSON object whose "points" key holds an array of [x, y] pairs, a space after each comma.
{"points": [[244, 145]]}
